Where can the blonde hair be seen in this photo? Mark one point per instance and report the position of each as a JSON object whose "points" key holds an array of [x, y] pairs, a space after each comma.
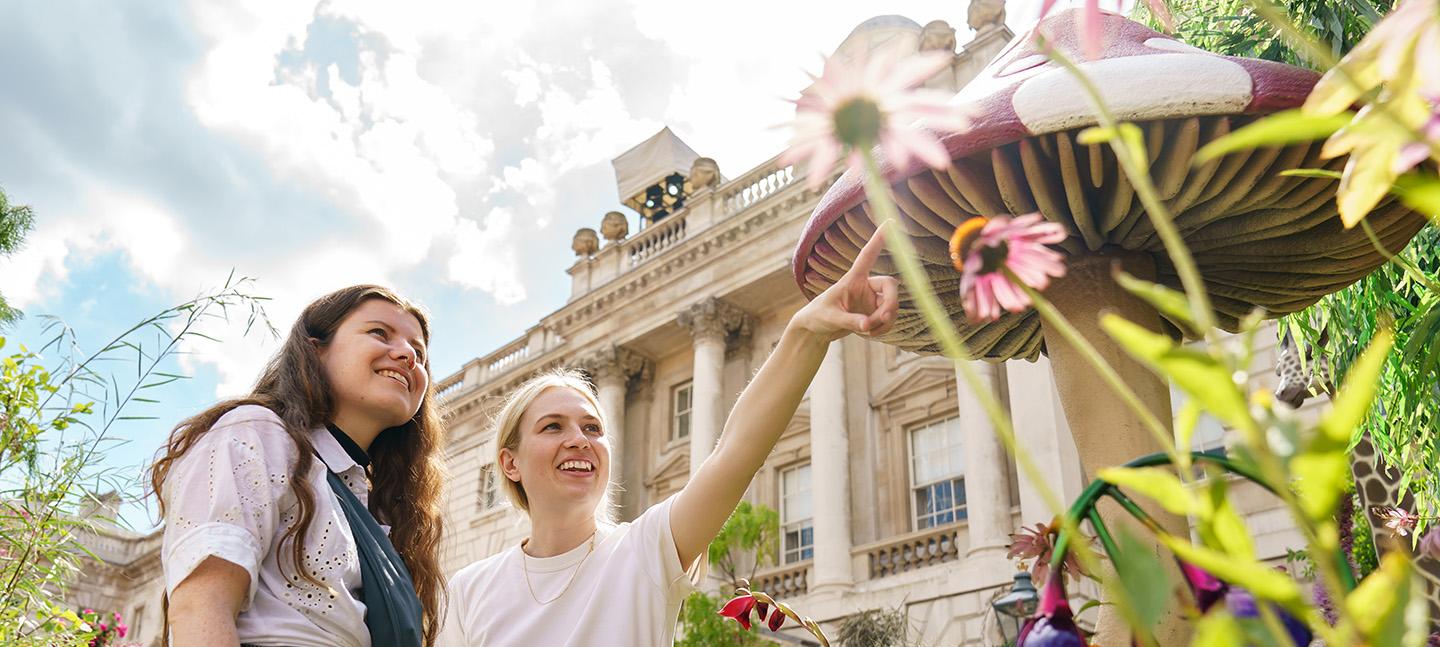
{"points": [[507, 432]]}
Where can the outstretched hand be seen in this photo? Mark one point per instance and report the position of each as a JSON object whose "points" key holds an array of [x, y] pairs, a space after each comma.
{"points": [[858, 302]]}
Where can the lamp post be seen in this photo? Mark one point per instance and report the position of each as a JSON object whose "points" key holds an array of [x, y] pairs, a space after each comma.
{"points": [[1015, 607]]}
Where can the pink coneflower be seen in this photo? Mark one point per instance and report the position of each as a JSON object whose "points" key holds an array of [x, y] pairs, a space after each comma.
{"points": [[982, 248], [853, 107]]}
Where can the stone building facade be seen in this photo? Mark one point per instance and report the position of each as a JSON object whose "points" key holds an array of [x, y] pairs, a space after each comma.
{"points": [[893, 491], [892, 488]]}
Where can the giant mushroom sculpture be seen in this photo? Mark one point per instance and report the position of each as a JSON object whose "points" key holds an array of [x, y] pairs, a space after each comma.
{"points": [[1260, 239]]}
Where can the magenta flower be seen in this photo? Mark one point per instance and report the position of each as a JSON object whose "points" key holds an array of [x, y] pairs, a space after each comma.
{"points": [[1054, 626], [745, 601], [854, 107], [739, 609], [983, 248], [1205, 587]]}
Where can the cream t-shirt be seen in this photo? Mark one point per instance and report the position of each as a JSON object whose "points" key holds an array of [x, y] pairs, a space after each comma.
{"points": [[628, 592]]}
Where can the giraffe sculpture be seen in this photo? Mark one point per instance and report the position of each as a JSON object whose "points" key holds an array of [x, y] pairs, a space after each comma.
{"points": [[1376, 483]]}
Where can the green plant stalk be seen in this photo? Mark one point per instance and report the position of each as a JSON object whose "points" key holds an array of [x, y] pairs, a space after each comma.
{"points": [[897, 241], [1160, 217], [196, 309], [1057, 321], [1398, 259], [1199, 300], [1132, 616]]}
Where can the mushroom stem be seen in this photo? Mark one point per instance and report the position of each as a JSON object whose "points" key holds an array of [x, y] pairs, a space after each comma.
{"points": [[1107, 431]]}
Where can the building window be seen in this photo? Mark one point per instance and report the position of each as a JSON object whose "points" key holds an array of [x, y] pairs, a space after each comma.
{"points": [[681, 400], [489, 493], [796, 518], [937, 474]]}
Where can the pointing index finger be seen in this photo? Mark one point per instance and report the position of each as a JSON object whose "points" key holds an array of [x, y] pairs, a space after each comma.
{"points": [[866, 258]]}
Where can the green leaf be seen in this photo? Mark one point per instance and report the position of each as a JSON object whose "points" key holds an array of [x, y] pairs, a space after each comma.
{"points": [[1353, 400], [1171, 303], [1420, 335], [1261, 580], [1321, 477], [1378, 604], [1419, 192], [1201, 376], [1146, 583], [1218, 628], [1221, 525], [1155, 483], [1185, 423], [1311, 172], [1279, 129]]}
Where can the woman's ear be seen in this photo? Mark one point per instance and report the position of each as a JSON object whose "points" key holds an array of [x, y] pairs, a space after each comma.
{"points": [[508, 466]]}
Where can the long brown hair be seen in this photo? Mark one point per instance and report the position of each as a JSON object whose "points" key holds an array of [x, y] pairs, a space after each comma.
{"points": [[407, 471]]}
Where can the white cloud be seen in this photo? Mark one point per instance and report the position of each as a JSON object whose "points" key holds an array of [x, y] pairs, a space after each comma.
{"points": [[483, 260], [107, 219]]}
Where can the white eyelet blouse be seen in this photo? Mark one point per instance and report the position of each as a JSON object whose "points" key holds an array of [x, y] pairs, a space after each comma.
{"points": [[230, 497]]}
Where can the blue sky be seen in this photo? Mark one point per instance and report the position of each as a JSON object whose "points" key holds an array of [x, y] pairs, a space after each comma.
{"points": [[447, 149]]}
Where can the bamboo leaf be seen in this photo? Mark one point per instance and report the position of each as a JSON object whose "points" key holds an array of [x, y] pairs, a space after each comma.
{"points": [[1354, 398]]}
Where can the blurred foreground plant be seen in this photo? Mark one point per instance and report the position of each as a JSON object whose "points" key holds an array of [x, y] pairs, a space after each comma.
{"points": [[56, 416]]}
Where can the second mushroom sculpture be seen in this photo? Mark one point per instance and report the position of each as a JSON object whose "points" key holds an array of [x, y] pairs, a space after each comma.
{"points": [[1260, 238]]}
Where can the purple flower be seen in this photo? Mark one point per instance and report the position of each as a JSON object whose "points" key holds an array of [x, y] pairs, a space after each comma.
{"points": [[1055, 624], [1206, 588], [1242, 604]]}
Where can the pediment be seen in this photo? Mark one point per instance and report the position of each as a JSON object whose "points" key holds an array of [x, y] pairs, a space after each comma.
{"points": [[675, 465], [916, 379]]}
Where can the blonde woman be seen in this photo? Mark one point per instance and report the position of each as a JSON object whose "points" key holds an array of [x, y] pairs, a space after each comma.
{"points": [[580, 580]]}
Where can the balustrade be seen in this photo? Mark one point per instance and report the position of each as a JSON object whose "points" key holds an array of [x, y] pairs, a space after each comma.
{"points": [[766, 180], [785, 582], [915, 550]]}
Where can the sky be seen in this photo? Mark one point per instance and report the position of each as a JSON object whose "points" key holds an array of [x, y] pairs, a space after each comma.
{"points": [[447, 149]]}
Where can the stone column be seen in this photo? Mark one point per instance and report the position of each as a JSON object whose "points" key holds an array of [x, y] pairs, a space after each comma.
{"points": [[614, 368], [710, 323], [987, 486], [830, 471], [1041, 429]]}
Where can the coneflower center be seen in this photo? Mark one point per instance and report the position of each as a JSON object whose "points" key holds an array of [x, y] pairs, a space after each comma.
{"points": [[857, 122]]}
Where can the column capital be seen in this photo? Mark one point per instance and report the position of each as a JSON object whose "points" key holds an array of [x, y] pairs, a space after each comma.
{"points": [[616, 362], [714, 318]]}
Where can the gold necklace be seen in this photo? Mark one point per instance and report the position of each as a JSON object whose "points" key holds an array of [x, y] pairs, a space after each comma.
{"points": [[526, 569]]}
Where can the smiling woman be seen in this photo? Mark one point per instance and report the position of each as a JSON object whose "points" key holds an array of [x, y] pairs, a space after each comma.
{"points": [[580, 578], [276, 505]]}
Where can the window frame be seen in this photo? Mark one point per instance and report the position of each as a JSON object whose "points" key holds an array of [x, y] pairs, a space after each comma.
{"points": [[487, 494], [803, 552], [956, 481], [688, 387]]}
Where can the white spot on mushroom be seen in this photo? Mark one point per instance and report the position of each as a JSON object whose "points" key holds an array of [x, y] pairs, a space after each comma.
{"points": [[1170, 45], [1135, 88]]}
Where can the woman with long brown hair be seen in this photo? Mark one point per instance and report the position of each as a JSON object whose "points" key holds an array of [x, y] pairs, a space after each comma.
{"points": [[308, 512]]}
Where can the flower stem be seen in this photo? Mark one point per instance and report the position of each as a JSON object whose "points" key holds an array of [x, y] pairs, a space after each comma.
{"points": [[1139, 175], [897, 242], [1057, 321]]}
